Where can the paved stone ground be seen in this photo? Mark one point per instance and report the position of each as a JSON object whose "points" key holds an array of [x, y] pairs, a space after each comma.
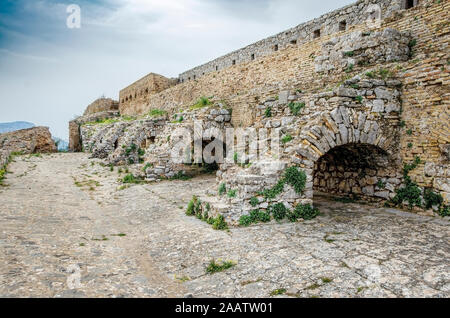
{"points": [[62, 212]]}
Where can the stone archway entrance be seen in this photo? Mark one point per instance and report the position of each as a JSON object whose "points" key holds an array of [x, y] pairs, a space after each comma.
{"points": [[356, 170]]}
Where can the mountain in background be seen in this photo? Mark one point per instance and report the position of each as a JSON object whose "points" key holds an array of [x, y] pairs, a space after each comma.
{"points": [[13, 126]]}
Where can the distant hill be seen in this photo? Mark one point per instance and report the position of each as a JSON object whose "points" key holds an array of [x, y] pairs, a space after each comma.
{"points": [[16, 125]]}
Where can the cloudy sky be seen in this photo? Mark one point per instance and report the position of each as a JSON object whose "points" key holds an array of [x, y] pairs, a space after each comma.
{"points": [[50, 73]]}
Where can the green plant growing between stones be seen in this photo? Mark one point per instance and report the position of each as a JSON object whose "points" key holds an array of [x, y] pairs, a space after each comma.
{"points": [[214, 267], [349, 68], [279, 211], [359, 99], [222, 189], [157, 113], [201, 103], [231, 193], [296, 108], [268, 112], [276, 292], [432, 199], [219, 223], [286, 139], [381, 184], [349, 53], [292, 176], [254, 201]]}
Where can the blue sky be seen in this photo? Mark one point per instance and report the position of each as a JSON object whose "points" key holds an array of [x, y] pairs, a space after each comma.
{"points": [[50, 73]]}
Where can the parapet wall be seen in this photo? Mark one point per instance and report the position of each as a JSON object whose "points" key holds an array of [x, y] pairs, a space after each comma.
{"points": [[327, 24]]}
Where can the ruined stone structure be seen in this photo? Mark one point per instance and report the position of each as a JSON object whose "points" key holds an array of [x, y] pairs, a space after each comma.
{"points": [[359, 97], [133, 96], [101, 105], [27, 141]]}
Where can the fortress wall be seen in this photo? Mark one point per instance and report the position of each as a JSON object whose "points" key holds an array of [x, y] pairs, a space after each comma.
{"points": [[425, 94], [293, 68], [101, 105], [138, 92], [330, 23]]}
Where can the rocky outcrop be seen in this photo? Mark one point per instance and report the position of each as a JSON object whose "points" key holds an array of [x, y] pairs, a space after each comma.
{"points": [[27, 141]]}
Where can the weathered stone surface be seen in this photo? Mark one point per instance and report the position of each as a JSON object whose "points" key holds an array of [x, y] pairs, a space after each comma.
{"points": [[161, 252], [27, 141]]}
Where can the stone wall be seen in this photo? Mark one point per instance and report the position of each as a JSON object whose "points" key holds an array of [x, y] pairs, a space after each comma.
{"points": [[330, 23], [375, 95], [139, 91], [101, 105], [27, 141], [75, 140]]}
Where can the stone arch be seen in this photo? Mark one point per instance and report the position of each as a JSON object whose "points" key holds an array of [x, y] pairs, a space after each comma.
{"points": [[344, 128]]}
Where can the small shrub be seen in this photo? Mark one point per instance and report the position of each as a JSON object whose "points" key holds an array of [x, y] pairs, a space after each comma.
{"points": [[409, 132], [296, 107], [147, 165], [191, 205], [222, 189], [231, 193], [286, 139], [157, 113], [410, 145], [235, 157], [268, 112], [130, 178], [349, 68], [432, 199], [219, 223], [201, 102], [381, 184], [349, 53], [306, 212], [254, 201], [296, 178], [444, 211], [245, 220], [359, 99], [370, 74], [279, 211], [214, 267], [180, 176], [2, 175], [276, 292]]}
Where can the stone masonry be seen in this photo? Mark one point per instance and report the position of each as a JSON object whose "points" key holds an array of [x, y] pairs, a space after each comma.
{"points": [[355, 96]]}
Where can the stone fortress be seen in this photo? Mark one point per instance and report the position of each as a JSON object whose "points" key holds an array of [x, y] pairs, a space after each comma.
{"points": [[360, 97]]}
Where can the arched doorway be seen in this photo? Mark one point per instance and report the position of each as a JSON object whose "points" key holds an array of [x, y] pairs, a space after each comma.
{"points": [[356, 171]]}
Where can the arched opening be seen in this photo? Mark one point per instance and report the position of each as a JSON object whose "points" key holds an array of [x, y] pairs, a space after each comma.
{"points": [[356, 171]]}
